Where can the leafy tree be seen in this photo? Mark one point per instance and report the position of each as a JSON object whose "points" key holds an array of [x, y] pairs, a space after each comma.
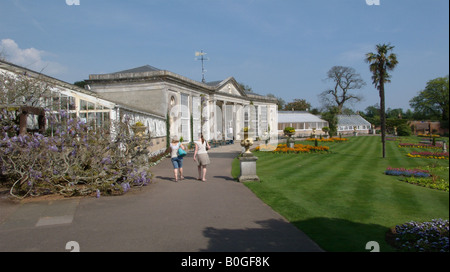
{"points": [[345, 80], [404, 130], [298, 105], [245, 87], [347, 111], [80, 84], [280, 103], [315, 111], [380, 63], [372, 114], [395, 113], [331, 117], [433, 101]]}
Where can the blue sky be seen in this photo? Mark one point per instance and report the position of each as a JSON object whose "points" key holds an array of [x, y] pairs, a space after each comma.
{"points": [[283, 47]]}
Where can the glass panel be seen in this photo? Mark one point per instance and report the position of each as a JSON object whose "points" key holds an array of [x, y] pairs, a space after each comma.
{"points": [[83, 117], [196, 107], [106, 120], [185, 106], [83, 105], [185, 130], [72, 103], [99, 117], [64, 102], [91, 117], [55, 103]]}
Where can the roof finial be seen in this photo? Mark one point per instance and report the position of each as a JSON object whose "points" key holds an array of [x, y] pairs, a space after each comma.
{"points": [[201, 54]]}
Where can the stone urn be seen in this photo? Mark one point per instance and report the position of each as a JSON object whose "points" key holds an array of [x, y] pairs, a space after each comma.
{"points": [[139, 130], [247, 143], [290, 142]]}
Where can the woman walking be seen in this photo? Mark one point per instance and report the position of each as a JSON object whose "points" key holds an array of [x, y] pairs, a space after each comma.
{"points": [[177, 161], [201, 157]]}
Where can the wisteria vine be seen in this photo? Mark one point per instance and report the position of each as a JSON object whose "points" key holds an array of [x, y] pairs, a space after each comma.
{"points": [[75, 159]]}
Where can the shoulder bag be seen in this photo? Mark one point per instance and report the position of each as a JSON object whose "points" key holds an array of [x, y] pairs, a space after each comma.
{"points": [[181, 152]]}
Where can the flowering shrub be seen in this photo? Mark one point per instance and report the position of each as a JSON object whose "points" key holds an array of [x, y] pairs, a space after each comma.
{"points": [[423, 237], [429, 155], [289, 130], [298, 148], [76, 160], [413, 145], [407, 172]]}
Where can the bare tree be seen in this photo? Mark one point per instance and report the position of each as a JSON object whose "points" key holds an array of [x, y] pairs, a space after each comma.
{"points": [[24, 90], [3, 55], [346, 79]]}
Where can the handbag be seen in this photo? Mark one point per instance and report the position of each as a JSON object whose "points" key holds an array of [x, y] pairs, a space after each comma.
{"points": [[181, 152]]}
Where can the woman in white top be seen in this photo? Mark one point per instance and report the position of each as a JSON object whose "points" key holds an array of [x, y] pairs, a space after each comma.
{"points": [[177, 161], [201, 157]]}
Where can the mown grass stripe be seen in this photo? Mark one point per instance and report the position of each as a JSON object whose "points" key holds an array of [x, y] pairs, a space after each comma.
{"points": [[343, 199]]}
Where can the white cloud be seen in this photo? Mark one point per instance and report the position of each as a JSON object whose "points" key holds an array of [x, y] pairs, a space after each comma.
{"points": [[30, 58]]}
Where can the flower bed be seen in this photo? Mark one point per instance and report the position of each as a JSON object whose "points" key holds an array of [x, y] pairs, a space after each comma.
{"points": [[407, 172], [414, 145], [421, 237], [433, 183], [330, 140], [429, 155], [298, 148], [421, 177], [428, 135]]}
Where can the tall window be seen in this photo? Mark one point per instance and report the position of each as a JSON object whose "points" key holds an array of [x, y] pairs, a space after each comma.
{"points": [[196, 111], [246, 116], [185, 117], [263, 121]]}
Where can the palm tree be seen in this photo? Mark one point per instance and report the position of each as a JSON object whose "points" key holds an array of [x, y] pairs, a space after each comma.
{"points": [[380, 64]]}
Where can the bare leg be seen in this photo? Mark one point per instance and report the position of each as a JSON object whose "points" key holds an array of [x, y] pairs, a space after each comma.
{"points": [[199, 172], [181, 174], [175, 173], [204, 173]]}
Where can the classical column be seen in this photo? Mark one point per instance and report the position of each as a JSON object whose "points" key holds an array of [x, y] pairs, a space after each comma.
{"points": [[224, 120], [214, 119], [234, 124]]}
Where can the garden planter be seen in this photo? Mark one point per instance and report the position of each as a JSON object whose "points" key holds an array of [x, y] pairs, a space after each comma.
{"points": [[139, 130]]}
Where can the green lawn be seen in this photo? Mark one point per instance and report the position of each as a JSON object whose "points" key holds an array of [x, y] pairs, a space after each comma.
{"points": [[343, 199]]}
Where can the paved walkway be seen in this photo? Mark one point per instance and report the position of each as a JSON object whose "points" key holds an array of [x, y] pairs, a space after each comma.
{"points": [[219, 215]]}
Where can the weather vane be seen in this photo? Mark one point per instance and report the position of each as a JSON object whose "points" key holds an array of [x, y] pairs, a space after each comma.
{"points": [[202, 57]]}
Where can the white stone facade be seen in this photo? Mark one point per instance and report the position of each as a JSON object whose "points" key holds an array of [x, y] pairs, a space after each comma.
{"points": [[219, 111]]}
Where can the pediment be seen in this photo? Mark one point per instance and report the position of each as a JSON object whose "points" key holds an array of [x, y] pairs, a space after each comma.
{"points": [[230, 87]]}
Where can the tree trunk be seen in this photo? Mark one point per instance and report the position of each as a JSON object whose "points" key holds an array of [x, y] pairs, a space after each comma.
{"points": [[382, 115]]}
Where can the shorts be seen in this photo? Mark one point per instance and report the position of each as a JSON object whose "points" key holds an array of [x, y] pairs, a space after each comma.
{"points": [[177, 162], [203, 159]]}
